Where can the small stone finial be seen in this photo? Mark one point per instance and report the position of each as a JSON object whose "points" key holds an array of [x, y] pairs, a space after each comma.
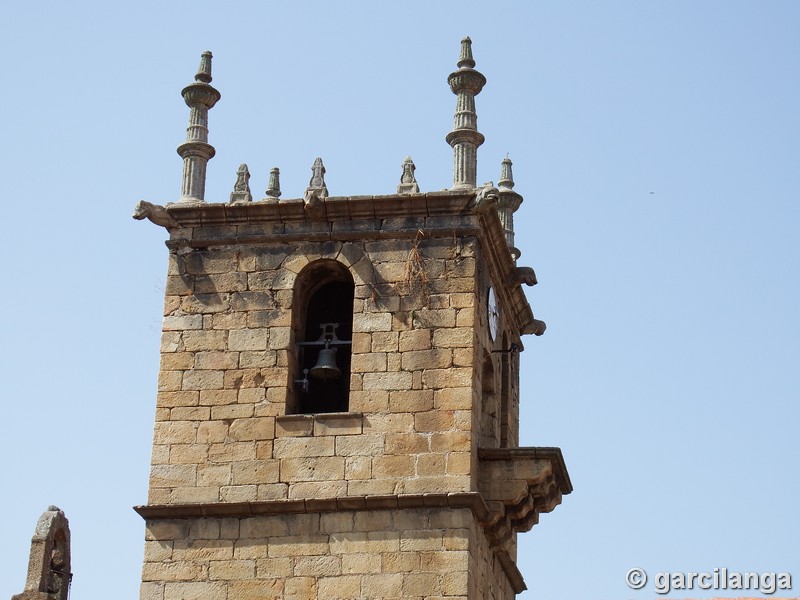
{"points": [[274, 185], [204, 71], [317, 183], [465, 60], [506, 176], [408, 182], [241, 189]]}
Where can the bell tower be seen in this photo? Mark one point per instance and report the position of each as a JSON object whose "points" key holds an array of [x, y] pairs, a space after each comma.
{"points": [[337, 408]]}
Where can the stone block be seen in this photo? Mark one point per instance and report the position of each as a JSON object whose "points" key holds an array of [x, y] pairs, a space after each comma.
{"points": [[218, 397], [457, 398], [384, 585], [170, 381], [213, 475], [343, 586], [328, 468], [279, 337], [373, 401], [205, 303], [174, 432], [407, 443], [173, 475], [190, 413], [364, 363], [272, 491], [294, 425], [218, 283], [400, 562], [202, 380], [429, 465], [211, 432], [357, 467], [211, 339], [188, 454], [194, 495], [451, 441], [337, 425], [435, 420], [410, 400], [361, 563], [231, 569], [236, 320], [239, 493], [415, 339], [392, 467], [195, 590], [317, 489], [258, 359], [256, 428], [215, 360], [385, 341], [447, 378], [459, 463], [298, 545], [166, 530], [359, 445], [176, 361], [297, 447], [421, 584], [247, 339], [370, 542], [372, 322], [231, 452], [317, 566], [387, 381], [182, 322], [171, 571], [300, 588], [157, 550], [173, 399], [231, 411], [254, 472]]}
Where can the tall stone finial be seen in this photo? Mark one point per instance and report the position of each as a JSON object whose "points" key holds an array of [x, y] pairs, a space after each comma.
{"points": [[241, 189], [408, 182], [465, 83], [507, 203], [49, 565], [274, 184], [506, 176], [196, 151], [317, 183]]}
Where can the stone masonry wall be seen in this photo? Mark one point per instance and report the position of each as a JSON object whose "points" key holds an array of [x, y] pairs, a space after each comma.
{"points": [[434, 554], [222, 433]]}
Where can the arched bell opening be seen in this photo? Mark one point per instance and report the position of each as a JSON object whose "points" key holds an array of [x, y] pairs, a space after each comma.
{"points": [[323, 330]]}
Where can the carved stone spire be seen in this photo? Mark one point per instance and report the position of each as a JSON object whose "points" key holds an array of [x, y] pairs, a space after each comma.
{"points": [[199, 96], [241, 189], [317, 183], [466, 83], [408, 182], [507, 203], [274, 185]]}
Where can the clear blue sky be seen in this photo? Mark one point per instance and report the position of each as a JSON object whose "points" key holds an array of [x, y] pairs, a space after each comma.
{"points": [[657, 147]]}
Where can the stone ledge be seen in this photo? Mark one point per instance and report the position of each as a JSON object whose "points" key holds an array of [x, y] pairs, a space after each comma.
{"points": [[455, 500]]}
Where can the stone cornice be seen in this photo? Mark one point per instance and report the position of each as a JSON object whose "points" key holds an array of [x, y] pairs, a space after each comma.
{"points": [[469, 500], [341, 218]]}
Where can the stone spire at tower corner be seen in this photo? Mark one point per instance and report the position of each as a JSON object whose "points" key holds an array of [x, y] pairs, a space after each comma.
{"points": [[507, 203], [199, 96], [466, 83]]}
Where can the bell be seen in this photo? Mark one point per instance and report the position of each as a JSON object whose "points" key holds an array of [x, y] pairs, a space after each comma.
{"points": [[326, 368]]}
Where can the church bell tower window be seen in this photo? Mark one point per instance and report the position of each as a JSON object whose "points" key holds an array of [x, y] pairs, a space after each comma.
{"points": [[323, 334]]}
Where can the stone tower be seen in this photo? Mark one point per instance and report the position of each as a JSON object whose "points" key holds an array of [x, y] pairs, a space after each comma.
{"points": [[337, 411]]}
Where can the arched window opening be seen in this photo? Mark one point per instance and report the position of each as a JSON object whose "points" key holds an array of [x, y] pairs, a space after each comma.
{"points": [[323, 334]]}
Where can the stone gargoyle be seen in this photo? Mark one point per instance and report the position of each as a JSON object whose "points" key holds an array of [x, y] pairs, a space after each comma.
{"points": [[155, 213]]}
